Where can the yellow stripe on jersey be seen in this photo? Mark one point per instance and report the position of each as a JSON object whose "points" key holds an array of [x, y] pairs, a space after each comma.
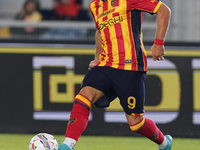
{"points": [[115, 49], [127, 43], [93, 10], [105, 49], [116, 25], [157, 7]]}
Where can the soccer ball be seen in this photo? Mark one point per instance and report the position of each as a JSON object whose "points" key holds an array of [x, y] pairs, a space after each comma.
{"points": [[43, 141]]}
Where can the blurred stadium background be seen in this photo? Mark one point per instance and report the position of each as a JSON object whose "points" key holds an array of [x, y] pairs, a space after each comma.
{"points": [[185, 23], [43, 62]]}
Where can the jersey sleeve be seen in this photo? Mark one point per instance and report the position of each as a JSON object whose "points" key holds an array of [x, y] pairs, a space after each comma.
{"points": [[92, 11], [150, 6]]}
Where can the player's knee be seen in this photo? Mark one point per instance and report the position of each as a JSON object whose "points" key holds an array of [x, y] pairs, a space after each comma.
{"points": [[91, 93], [133, 119]]}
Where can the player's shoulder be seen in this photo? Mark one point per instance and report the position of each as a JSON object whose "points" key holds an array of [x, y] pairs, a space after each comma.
{"points": [[94, 2]]}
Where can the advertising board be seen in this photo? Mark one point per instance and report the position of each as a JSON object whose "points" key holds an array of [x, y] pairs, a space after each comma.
{"points": [[38, 86]]}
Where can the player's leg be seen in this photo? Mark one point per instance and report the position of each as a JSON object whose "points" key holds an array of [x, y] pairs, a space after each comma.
{"points": [[94, 83], [79, 116], [148, 128], [131, 92], [145, 127]]}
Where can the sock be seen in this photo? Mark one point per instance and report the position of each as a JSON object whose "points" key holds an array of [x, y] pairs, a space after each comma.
{"points": [[70, 142], [78, 118], [148, 128], [163, 144]]}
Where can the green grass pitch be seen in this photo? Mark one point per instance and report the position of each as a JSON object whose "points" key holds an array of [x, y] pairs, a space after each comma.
{"points": [[21, 142]]}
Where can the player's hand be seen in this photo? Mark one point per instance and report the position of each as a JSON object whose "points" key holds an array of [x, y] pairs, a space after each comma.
{"points": [[92, 64], [158, 52]]}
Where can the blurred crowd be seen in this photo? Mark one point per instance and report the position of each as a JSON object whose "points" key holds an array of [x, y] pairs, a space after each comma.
{"points": [[62, 10]]}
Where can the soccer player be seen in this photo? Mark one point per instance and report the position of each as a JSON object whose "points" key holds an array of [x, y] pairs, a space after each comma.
{"points": [[119, 67]]}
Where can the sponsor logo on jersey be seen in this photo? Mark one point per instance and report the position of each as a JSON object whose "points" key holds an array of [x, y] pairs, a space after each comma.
{"points": [[110, 22], [105, 13]]}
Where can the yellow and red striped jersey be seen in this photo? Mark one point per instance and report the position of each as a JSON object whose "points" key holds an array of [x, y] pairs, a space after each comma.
{"points": [[119, 23]]}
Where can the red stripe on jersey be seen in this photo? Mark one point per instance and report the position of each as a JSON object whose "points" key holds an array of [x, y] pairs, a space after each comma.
{"points": [[97, 5], [120, 43], [107, 36], [116, 14], [97, 12], [105, 18], [105, 8], [109, 44], [105, 5], [117, 3]]}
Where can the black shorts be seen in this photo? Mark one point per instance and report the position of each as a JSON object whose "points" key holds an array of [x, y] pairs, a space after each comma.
{"points": [[127, 85]]}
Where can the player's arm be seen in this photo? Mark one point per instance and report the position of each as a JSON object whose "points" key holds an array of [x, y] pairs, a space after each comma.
{"points": [[97, 50], [163, 19]]}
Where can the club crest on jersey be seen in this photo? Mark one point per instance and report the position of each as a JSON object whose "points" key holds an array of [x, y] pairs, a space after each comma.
{"points": [[72, 120], [113, 3]]}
